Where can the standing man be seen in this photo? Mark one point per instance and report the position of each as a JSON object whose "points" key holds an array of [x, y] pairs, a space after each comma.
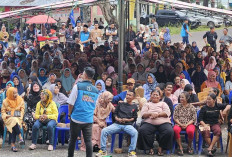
{"points": [[69, 35], [155, 25], [62, 34], [185, 32], [111, 33], [211, 38], [85, 36], [96, 32], [225, 39], [82, 102]]}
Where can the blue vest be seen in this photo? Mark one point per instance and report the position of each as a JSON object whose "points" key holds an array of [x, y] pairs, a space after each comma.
{"points": [[183, 32], [84, 36], [85, 104]]}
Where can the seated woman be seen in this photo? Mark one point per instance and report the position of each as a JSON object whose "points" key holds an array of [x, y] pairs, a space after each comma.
{"points": [[100, 86], [3, 97], [42, 76], [156, 118], [150, 85], [46, 114], [67, 80], [18, 85], [32, 98], [209, 118], [12, 115], [211, 82], [192, 96], [57, 96], [102, 111], [184, 117], [183, 83], [59, 83]]}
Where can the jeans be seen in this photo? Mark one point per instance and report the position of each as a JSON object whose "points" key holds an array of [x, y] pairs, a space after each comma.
{"points": [[50, 130], [115, 128], [185, 40], [75, 129], [5, 44]]}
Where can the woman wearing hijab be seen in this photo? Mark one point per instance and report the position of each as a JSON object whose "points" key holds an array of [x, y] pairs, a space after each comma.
{"points": [[34, 66], [32, 98], [212, 63], [150, 85], [140, 75], [130, 61], [183, 83], [100, 86], [61, 88], [56, 64], [42, 76], [109, 86], [46, 114], [146, 48], [23, 65], [146, 36], [57, 96], [18, 84], [103, 109], [51, 80], [47, 60], [160, 74], [23, 76], [198, 77], [167, 36], [12, 115], [198, 58], [3, 66], [66, 64], [219, 78], [67, 80], [211, 82]]}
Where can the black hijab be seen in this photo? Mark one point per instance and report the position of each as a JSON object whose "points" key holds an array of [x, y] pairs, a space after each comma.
{"points": [[62, 90], [109, 88]]}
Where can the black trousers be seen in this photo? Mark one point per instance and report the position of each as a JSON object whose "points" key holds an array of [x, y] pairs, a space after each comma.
{"points": [[86, 129], [16, 131], [1, 127], [147, 135]]}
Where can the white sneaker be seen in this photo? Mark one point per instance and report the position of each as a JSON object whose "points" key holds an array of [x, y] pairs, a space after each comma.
{"points": [[50, 147], [32, 147]]}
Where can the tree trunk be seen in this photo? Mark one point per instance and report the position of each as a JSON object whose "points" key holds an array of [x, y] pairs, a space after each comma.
{"points": [[206, 3], [107, 11], [86, 14]]}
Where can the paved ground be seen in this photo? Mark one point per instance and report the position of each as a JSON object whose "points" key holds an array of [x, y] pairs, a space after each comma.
{"points": [[61, 151], [198, 37]]}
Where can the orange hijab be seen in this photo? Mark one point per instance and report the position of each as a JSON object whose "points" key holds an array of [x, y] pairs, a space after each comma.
{"points": [[13, 102]]}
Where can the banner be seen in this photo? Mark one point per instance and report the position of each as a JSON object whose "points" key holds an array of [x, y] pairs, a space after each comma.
{"points": [[132, 9], [71, 16]]}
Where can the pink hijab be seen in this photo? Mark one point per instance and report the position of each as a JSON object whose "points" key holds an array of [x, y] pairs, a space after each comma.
{"points": [[209, 83], [211, 66]]}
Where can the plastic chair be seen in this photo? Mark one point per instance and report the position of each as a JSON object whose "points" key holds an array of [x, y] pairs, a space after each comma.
{"points": [[109, 119], [230, 95], [200, 141], [5, 134], [62, 109]]}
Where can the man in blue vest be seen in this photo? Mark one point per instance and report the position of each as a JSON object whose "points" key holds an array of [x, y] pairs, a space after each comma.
{"points": [[185, 32], [82, 101]]}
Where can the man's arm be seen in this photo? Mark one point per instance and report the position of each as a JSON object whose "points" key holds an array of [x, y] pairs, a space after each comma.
{"points": [[70, 109], [204, 37], [72, 99]]}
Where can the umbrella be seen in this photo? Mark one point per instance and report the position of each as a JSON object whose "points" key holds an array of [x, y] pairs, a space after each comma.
{"points": [[40, 19]]}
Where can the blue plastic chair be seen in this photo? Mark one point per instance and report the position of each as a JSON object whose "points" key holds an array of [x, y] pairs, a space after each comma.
{"points": [[186, 136], [62, 109], [200, 141], [230, 95], [5, 134]]}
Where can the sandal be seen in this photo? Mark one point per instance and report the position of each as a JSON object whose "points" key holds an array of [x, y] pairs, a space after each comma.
{"points": [[190, 151], [14, 149], [180, 152], [160, 154], [151, 152], [210, 154], [21, 142], [214, 150]]}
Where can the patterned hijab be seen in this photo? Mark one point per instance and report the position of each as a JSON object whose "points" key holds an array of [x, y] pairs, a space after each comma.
{"points": [[48, 95]]}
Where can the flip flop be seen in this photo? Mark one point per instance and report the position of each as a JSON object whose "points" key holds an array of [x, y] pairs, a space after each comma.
{"points": [[14, 149]]}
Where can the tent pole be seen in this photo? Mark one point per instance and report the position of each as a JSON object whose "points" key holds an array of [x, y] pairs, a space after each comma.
{"points": [[121, 43]]}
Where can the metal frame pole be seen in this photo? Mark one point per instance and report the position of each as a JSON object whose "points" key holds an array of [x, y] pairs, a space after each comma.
{"points": [[121, 43]]}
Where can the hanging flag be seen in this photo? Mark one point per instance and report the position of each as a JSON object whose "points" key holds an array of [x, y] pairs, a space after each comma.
{"points": [[72, 20]]}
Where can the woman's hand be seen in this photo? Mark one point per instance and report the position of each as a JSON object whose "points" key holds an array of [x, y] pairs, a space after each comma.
{"points": [[154, 116], [101, 124], [206, 127]]}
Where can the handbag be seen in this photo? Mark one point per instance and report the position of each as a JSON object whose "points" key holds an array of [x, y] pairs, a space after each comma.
{"points": [[16, 113]]}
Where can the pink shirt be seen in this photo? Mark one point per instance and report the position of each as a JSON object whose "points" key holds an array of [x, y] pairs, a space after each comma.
{"points": [[173, 98], [156, 108]]}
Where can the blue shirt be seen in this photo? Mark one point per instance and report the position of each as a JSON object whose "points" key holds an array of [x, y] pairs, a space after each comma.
{"points": [[84, 36]]}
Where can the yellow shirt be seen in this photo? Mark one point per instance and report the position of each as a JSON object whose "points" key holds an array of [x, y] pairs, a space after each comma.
{"points": [[51, 111]]}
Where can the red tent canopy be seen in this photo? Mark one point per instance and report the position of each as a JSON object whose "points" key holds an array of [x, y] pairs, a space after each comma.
{"points": [[40, 19]]}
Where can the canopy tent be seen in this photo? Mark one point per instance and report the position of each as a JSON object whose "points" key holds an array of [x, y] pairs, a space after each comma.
{"points": [[41, 19]]}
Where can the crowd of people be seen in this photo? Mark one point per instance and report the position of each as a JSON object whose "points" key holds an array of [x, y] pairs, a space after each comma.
{"points": [[162, 80]]}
